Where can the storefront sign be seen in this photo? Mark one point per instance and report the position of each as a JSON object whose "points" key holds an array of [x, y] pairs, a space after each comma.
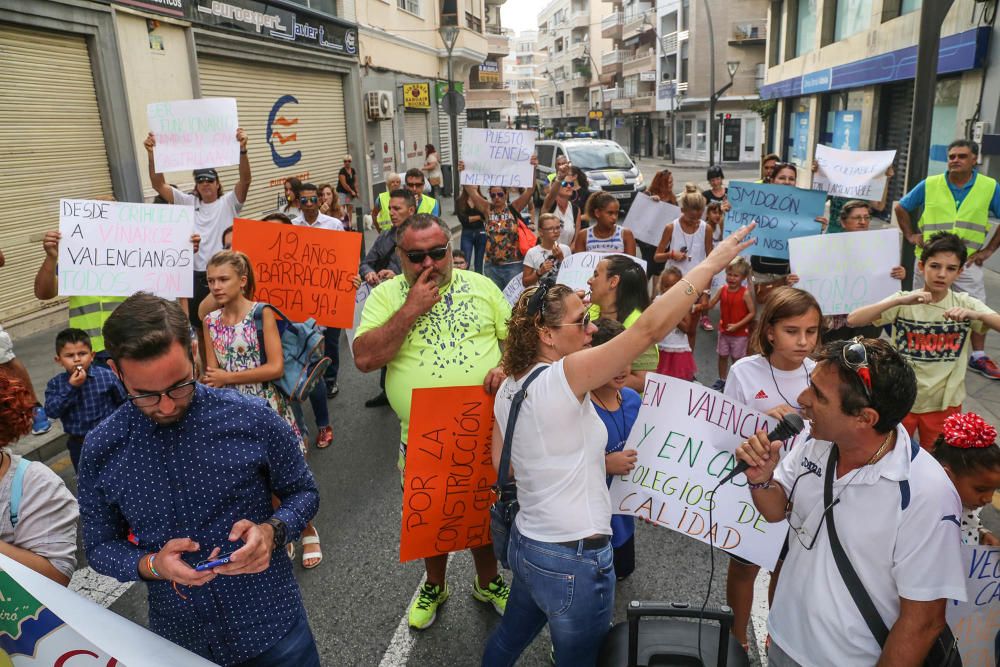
{"points": [[489, 72], [817, 82], [441, 88], [621, 104], [266, 20], [416, 95], [647, 76], [847, 130], [595, 115]]}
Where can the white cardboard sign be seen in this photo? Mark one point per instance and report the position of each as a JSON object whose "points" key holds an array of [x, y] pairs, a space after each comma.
{"points": [[647, 218], [194, 134], [577, 269], [976, 622], [512, 292], [499, 158], [852, 174], [846, 271]]}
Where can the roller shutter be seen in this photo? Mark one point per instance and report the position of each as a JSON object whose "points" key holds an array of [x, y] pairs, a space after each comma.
{"points": [[444, 125], [416, 137], [308, 129], [895, 121], [52, 146]]}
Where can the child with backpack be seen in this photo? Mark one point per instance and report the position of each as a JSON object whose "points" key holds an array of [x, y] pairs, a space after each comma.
{"points": [[235, 358], [968, 452]]}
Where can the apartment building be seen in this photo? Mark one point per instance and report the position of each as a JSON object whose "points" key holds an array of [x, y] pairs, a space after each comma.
{"points": [[569, 34], [404, 65], [842, 73], [522, 73], [488, 93]]}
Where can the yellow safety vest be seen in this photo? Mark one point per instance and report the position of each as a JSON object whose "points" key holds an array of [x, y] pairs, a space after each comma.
{"points": [[384, 221], [426, 204], [969, 222], [90, 313]]}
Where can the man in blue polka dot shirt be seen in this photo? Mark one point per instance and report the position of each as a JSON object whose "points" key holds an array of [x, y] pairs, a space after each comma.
{"points": [[190, 470]]}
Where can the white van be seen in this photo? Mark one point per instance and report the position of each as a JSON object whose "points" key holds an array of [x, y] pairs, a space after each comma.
{"points": [[606, 164]]}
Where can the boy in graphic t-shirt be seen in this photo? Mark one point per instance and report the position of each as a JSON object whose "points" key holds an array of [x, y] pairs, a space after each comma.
{"points": [[930, 328]]}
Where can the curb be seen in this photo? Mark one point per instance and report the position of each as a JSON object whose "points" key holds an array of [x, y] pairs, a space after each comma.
{"points": [[42, 447]]}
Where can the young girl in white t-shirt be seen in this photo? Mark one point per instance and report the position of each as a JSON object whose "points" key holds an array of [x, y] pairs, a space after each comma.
{"points": [[968, 452], [770, 381]]}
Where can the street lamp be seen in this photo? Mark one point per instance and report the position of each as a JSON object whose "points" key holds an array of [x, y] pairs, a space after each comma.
{"points": [[449, 35], [732, 66]]}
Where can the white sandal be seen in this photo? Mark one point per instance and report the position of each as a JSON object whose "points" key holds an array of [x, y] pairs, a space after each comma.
{"points": [[290, 548], [316, 556]]}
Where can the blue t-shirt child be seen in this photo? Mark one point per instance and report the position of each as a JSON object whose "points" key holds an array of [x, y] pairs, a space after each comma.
{"points": [[619, 424]]}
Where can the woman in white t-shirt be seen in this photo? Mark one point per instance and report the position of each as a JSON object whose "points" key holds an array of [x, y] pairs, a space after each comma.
{"points": [[214, 211], [770, 381], [559, 201], [544, 259], [559, 548]]}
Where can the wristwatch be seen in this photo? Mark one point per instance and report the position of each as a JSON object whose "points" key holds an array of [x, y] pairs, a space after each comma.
{"points": [[280, 531]]}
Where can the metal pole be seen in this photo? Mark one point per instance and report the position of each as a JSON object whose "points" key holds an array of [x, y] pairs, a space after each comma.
{"points": [[711, 83], [453, 123], [924, 88]]}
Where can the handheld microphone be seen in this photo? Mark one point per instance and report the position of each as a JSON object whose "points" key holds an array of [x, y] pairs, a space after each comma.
{"points": [[791, 424]]}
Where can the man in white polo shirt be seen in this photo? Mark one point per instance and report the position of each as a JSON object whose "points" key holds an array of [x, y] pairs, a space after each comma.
{"points": [[311, 217], [894, 511]]}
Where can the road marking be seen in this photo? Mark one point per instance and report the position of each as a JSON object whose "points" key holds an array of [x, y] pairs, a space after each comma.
{"points": [[398, 652], [102, 590], [758, 615]]}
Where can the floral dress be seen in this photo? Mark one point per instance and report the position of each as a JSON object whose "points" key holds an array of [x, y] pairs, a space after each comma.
{"points": [[237, 347]]}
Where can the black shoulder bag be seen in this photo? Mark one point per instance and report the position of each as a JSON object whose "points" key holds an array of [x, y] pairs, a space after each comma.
{"points": [[505, 508], [944, 651]]}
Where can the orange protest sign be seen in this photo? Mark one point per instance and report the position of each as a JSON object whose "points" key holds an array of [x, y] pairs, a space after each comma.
{"points": [[449, 473], [304, 272]]}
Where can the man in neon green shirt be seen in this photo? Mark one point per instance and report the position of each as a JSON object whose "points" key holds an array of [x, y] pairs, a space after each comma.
{"points": [[435, 327]]}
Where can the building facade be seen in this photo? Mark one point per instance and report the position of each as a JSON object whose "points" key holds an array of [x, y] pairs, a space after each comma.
{"points": [[521, 70], [489, 95], [569, 34], [841, 74], [84, 73]]}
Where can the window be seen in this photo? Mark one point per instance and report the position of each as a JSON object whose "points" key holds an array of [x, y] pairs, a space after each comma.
{"points": [[325, 6], [749, 135], [412, 6], [760, 74], [631, 86], [545, 152], [685, 15], [684, 62], [805, 30], [910, 6], [852, 18], [702, 136], [684, 133]]}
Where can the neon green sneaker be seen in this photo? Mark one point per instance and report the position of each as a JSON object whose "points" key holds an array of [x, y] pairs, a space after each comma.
{"points": [[423, 611], [495, 593]]}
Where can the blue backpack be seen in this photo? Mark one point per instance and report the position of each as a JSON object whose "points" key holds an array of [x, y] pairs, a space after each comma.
{"points": [[302, 346]]}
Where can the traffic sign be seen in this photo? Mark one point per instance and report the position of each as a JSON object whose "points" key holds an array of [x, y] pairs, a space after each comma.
{"points": [[453, 103]]}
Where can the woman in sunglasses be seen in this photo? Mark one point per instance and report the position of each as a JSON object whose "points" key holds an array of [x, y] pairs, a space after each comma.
{"points": [[504, 260], [38, 529], [559, 548]]}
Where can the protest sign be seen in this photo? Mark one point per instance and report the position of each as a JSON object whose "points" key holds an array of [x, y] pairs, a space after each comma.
{"points": [[194, 134], [852, 174], [685, 436], [449, 472], [780, 211], [647, 218], [846, 271], [498, 157], [514, 289], [111, 248], [576, 270], [43, 624], [301, 271], [976, 622], [360, 297]]}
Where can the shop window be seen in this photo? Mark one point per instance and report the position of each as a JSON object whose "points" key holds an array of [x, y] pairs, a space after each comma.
{"points": [[805, 27], [749, 135], [852, 18], [702, 136], [684, 128]]}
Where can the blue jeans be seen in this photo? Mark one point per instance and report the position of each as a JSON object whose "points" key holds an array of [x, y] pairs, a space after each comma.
{"points": [[571, 589], [501, 274], [331, 348], [296, 648], [473, 244]]}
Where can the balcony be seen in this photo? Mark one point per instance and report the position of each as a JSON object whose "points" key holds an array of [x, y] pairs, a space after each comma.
{"points": [[668, 43], [580, 20], [611, 26], [488, 98], [610, 94], [497, 44], [639, 63], [642, 104], [748, 33], [611, 62], [637, 24]]}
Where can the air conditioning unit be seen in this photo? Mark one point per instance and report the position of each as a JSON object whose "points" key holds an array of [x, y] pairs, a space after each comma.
{"points": [[380, 105]]}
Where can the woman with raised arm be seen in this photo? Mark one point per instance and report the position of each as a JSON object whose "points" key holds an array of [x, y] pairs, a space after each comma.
{"points": [[559, 548]]}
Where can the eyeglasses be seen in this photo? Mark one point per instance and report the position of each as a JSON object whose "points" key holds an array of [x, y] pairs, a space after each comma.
{"points": [[855, 357], [152, 399], [418, 256], [566, 184], [584, 322], [306, 200], [801, 531], [497, 195], [204, 179], [411, 184]]}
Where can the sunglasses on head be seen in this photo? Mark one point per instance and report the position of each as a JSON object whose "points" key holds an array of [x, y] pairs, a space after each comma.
{"points": [[306, 200], [418, 256], [855, 357]]}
